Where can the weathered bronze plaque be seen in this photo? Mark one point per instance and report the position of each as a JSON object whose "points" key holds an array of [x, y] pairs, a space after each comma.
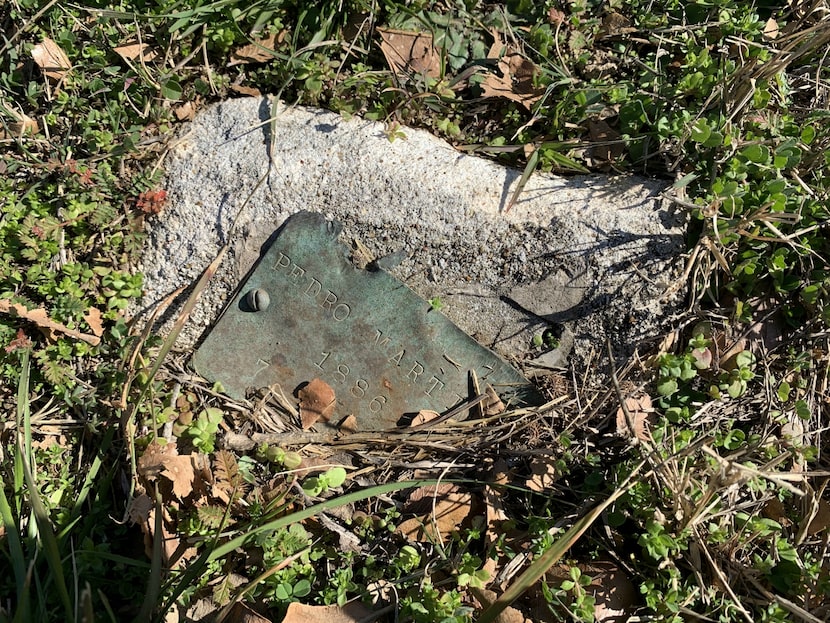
{"points": [[306, 311]]}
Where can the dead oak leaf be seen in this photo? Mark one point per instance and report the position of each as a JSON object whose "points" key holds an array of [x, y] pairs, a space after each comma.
{"points": [[409, 53], [52, 60], [317, 402]]}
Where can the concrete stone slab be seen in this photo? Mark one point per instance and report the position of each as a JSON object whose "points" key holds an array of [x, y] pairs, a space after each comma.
{"points": [[582, 257]]}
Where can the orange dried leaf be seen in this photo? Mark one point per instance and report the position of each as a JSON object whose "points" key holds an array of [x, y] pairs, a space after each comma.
{"points": [[409, 53], [317, 401], [51, 59]]}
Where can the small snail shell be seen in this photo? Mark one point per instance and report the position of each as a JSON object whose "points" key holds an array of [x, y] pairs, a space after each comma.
{"points": [[257, 300]]}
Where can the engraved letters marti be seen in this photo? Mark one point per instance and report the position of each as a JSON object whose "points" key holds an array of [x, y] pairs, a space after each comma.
{"points": [[383, 349]]}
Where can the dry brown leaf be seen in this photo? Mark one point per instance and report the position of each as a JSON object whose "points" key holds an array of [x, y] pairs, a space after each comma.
{"points": [[424, 416], [21, 126], [51, 59], [543, 474], [41, 319], [642, 416], [174, 550], [556, 17], [94, 320], [516, 80], [260, 51], [317, 401], [612, 147], [243, 90], [493, 404], [349, 425], [821, 521], [615, 24], [226, 472], [615, 595], [242, 613], [508, 615], [185, 112], [442, 510], [164, 460], [771, 29], [353, 612], [774, 509], [409, 53], [132, 51]]}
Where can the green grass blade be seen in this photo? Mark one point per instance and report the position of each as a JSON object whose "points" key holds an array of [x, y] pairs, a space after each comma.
{"points": [[12, 530], [153, 591], [530, 167], [197, 567], [25, 459], [49, 540], [540, 566]]}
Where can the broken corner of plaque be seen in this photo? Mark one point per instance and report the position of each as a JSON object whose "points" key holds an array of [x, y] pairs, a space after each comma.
{"points": [[305, 312]]}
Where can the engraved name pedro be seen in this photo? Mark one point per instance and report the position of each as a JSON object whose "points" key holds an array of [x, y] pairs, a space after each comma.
{"points": [[407, 364]]}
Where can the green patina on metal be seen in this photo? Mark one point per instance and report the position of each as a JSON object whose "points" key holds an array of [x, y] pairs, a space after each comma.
{"points": [[306, 311]]}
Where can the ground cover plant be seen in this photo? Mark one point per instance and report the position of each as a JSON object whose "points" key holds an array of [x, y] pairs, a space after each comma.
{"points": [[692, 487]]}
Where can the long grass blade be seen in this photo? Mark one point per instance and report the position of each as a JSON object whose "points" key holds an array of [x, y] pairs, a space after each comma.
{"points": [[216, 552], [530, 167], [540, 566], [48, 539], [12, 534]]}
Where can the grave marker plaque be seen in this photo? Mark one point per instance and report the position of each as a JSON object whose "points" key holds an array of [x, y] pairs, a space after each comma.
{"points": [[305, 311]]}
